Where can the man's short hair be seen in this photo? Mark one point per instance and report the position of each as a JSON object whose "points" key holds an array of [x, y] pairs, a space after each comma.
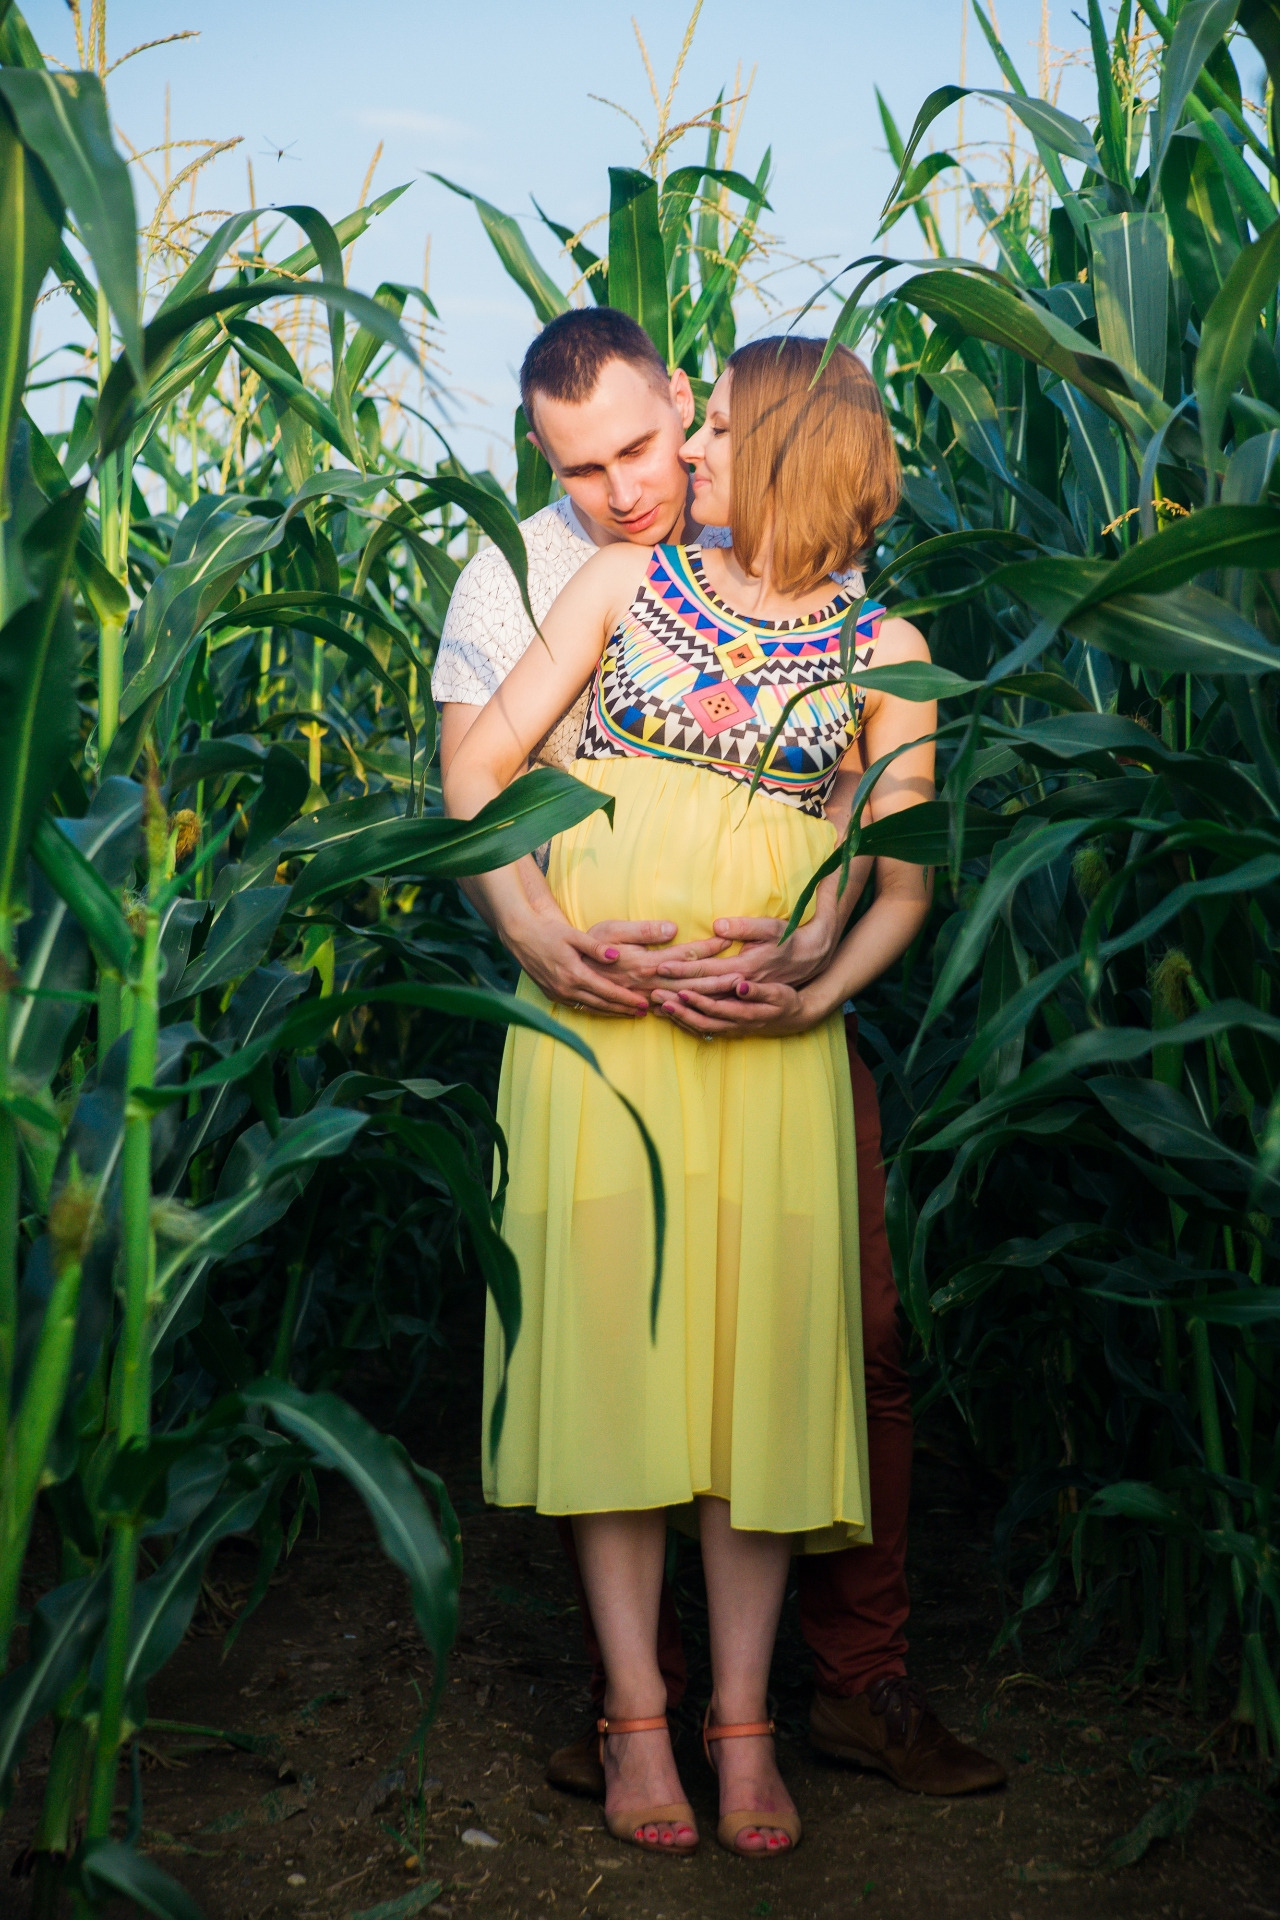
{"points": [[566, 359]]}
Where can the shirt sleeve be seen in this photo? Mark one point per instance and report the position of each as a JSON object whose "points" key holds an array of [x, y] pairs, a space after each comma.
{"points": [[473, 657]]}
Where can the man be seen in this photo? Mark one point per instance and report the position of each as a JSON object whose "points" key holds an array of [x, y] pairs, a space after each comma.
{"points": [[611, 422]]}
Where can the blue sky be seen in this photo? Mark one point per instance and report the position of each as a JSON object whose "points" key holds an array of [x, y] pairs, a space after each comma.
{"points": [[496, 94]]}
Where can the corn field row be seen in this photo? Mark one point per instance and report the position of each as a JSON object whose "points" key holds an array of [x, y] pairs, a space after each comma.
{"points": [[234, 957]]}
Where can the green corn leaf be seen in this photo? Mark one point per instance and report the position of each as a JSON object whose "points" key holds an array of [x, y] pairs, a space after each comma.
{"points": [[65, 1625], [953, 544], [1226, 339], [1170, 1814], [913, 196], [1070, 1060], [87, 894], [339, 1438], [1009, 868], [38, 659], [1131, 289], [1261, 21], [234, 753], [306, 1023], [284, 384], [994, 312], [1161, 1117], [30, 230], [921, 834], [111, 1870], [260, 1180], [440, 1148], [1047, 124], [63, 118], [1200, 26], [513, 250], [717, 290], [594, 270], [1249, 191], [328, 252], [637, 263], [239, 938], [286, 783], [1249, 1307], [174, 325], [165, 1603], [492, 515], [355, 650], [1225, 536], [529, 812], [1202, 219], [678, 193], [56, 956], [1111, 127]]}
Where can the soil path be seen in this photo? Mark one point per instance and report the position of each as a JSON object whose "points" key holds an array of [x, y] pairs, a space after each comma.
{"points": [[320, 1823]]}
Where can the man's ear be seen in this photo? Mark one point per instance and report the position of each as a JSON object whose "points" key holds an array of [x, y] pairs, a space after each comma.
{"points": [[682, 397]]}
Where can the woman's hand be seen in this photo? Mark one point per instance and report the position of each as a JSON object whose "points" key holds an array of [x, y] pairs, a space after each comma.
{"points": [[765, 957], [736, 1008]]}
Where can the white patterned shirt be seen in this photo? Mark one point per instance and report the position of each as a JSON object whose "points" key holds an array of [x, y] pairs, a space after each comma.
{"points": [[486, 629]]}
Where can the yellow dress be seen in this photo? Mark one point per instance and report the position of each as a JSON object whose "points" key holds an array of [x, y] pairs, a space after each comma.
{"points": [[750, 1386]]}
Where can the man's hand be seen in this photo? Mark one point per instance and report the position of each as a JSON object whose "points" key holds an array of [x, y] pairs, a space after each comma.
{"points": [[608, 969]]}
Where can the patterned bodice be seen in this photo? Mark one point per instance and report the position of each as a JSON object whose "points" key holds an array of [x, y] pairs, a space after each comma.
{"points": [[686, 678]]}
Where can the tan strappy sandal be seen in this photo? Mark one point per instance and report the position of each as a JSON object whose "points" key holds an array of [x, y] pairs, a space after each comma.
{"points": [[626, 1826], [734, 1824]]}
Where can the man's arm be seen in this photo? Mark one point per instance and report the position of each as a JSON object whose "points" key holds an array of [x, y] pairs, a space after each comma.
{"points": [[609, 967]]}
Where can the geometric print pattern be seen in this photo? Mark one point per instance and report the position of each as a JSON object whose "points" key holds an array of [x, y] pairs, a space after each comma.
{"points": [[685, 677]]}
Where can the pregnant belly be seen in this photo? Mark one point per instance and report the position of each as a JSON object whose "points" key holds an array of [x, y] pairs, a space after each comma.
{"points": [[685, 846]]}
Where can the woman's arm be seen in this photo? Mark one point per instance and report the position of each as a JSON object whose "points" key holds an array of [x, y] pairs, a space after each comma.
{"points": [[538, 691], [730, 1000], [888, 722], [772, 1007]]}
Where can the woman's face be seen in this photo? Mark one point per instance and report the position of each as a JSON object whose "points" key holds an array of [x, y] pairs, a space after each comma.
{"points": [[707, 452]]}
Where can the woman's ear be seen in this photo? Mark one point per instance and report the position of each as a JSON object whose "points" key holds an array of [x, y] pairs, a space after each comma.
{"points": [[682, 397]]}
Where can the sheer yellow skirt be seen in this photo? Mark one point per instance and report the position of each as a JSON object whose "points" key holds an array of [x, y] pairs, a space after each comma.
{"points": [[751, 1385]]}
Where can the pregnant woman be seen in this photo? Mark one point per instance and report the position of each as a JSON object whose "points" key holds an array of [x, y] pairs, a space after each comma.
{"points": [[739, 1410]]}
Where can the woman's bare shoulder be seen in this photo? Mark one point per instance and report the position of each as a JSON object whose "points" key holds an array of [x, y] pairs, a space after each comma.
{"points": [[608, 581], [897, 642]]}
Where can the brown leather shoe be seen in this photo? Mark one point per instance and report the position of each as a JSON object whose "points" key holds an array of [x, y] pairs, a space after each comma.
{"points": [[890, 1728], [576, 1768]]}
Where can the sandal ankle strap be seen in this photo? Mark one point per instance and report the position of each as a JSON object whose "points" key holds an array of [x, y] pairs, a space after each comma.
{"points": [[741, 1730], [657, 1723]]}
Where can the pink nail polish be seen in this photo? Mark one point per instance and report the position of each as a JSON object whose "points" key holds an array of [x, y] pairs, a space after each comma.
{"points": [[742, 990], [611, 953]]}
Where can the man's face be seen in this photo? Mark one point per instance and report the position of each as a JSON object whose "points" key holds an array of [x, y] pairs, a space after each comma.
{"points": [[618, 454]]}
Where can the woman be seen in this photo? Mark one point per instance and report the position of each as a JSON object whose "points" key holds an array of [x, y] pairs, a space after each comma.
{"points": [[742, 1407]]}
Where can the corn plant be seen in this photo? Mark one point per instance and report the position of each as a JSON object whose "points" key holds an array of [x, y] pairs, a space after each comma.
{"points": [[1081, 1060], [223, 867], [679, 253]]}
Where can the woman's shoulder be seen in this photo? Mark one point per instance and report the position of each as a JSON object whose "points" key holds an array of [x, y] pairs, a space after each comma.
{"points": [[618, 563], [897, 641]]}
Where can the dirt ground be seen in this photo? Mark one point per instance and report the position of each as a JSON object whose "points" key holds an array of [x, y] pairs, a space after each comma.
{"points": [[322, 1821]]}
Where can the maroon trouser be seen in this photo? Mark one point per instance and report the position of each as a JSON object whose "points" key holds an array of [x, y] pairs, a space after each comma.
{"points": [[853, 1604]]}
